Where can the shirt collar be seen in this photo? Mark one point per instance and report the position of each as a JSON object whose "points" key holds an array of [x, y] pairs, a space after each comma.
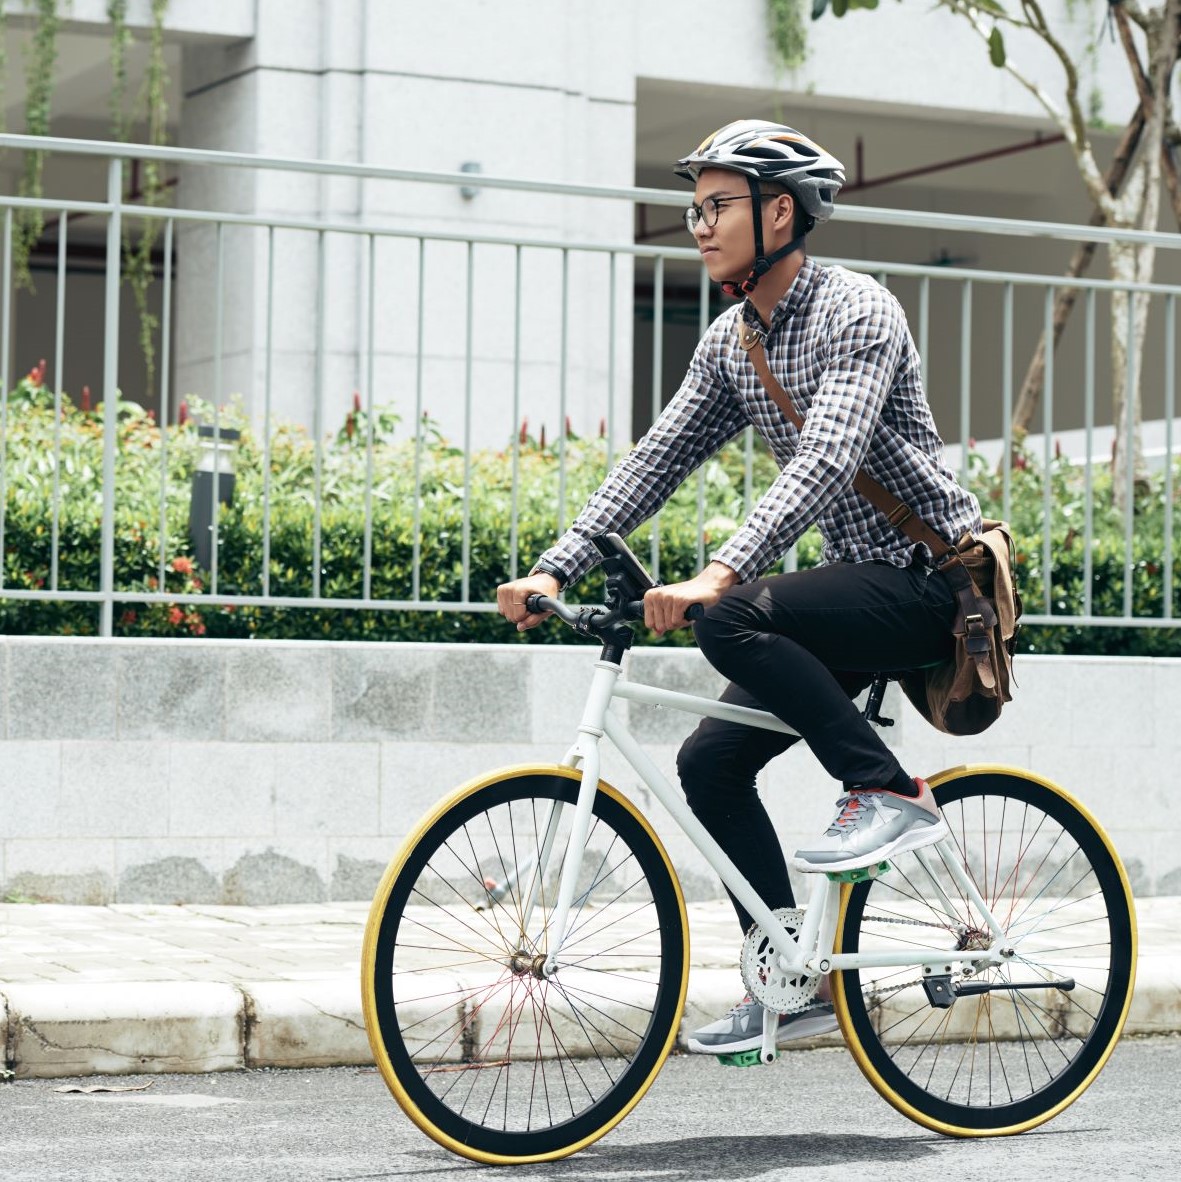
{"points": [[795, 298]]}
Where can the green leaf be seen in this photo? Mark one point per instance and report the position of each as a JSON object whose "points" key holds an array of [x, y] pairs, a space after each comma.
{"points": [[840, 7], [996, 48]]}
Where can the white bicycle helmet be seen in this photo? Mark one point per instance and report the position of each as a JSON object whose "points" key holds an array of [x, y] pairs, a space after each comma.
{"points": [[775, 153]]}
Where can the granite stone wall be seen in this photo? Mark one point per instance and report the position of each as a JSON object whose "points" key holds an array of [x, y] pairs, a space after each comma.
{"points": [[138, 771]]}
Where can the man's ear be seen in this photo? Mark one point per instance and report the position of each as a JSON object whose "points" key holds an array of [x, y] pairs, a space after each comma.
{"points": [[785, 210]]}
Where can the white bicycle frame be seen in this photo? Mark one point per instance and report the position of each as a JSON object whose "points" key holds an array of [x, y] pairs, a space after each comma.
{"points": [[811, 952]]}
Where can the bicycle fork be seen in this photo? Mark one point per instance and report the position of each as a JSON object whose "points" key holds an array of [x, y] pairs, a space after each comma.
{"points": [[586, 753]]}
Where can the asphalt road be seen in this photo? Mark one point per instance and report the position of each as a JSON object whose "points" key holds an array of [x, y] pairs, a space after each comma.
{"points": [[809, 1116]]}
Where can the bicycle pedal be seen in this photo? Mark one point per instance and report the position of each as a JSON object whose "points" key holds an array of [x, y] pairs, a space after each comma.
{"points": [[751, 1058], [859, 874]]}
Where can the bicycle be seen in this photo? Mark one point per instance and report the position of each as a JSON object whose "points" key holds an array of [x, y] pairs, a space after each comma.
{"points": [[526, 955]]}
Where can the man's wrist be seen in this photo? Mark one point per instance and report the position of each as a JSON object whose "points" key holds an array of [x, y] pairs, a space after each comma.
{"points": [[721, 575], [547, 568]]}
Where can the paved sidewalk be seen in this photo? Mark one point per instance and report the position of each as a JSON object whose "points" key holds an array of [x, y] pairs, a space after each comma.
{"points": [[128, 988]]}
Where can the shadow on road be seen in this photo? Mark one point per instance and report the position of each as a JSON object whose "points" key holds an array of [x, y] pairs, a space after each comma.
{"points": [[719, 1159], [713, 1159]]}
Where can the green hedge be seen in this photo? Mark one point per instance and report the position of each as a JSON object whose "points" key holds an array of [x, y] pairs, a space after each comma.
{"points": [[30, 449]]}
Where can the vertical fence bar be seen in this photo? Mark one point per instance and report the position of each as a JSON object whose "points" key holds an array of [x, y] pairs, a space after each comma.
{"points": [[1129, 430], [58, 386], [965, 376], [218, 361], [1089, 471], [517, 429], [266, 415], [925, 325], [1047, 453], [1007, 392], [702, 327], [469, 319], [563, 389], [110, 388], [611, 367], [416, 556], [5, 362], [1170, 410], [657, 382], [165, 392], [370, 329], [318, 409]]}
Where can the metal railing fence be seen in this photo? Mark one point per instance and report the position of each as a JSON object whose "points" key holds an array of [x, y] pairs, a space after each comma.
{"points": [[950, 309]]}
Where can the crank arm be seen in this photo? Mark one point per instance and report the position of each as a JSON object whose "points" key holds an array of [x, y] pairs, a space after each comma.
{"points": [[968, 988]]}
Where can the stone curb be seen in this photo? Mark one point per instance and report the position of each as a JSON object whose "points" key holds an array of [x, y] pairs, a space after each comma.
{"points": [[51, 1030]]}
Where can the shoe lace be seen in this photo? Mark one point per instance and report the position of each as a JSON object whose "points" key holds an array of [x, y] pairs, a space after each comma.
{"points": [[849, 806]]}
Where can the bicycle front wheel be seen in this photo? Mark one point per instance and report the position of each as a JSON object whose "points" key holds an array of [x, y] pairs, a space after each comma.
{"points": [[485, 1053], [1022, 1040]]}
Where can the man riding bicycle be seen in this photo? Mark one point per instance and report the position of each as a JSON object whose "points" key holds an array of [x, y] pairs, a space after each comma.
{"points": [[801, 645]]}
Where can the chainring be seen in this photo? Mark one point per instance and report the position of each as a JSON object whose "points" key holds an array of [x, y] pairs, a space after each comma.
{"points": [[768, 984]]}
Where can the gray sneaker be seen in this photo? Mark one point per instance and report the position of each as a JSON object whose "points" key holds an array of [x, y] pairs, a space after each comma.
{"points": [[872, 827], [742, 1028]]}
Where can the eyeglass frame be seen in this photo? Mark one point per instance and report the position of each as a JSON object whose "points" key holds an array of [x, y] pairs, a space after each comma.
{"points": [[697, 212]]}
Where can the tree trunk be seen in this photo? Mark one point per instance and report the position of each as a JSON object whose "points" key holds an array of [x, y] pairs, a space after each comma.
{"points": [[1035, 375], [1129, 321]]}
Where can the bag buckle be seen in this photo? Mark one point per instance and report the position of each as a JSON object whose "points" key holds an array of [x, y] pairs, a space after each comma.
{"points": [[749, 337]]}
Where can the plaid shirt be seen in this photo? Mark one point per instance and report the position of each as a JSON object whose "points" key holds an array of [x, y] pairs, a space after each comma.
{"points": [[839, 344]]}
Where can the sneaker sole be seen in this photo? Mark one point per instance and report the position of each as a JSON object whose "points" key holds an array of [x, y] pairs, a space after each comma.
{"points": [[804, 1028], [912, 839]]}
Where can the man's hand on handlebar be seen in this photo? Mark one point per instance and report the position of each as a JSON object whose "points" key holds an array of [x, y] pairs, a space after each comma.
{"points": [[665, 607], [510, 599]]}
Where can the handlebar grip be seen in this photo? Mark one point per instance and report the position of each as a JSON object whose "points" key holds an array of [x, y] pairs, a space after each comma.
{"points": [[695, 611], [533, 603]]}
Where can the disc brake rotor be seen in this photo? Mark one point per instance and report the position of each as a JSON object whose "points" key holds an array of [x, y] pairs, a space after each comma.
{"points": [[765, 981]]}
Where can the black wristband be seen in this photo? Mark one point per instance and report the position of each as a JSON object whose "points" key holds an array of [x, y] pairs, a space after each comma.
{"points": [[548, 568]]}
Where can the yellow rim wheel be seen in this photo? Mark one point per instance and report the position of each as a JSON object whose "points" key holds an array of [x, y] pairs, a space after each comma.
{"points": [[1025, 1038], [484, 1052]]}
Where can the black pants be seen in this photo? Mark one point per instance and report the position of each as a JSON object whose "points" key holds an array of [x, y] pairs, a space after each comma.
{"points": [[802, 646]]}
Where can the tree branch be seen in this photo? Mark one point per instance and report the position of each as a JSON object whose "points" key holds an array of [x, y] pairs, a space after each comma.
{"points": [[1072, 125], [1132, 10]]}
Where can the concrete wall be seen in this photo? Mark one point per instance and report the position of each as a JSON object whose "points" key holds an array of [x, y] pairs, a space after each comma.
{"points": [[267, 772]]}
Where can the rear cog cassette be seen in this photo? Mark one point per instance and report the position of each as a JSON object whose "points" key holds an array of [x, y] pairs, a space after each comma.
{"points": [[771, 986]]}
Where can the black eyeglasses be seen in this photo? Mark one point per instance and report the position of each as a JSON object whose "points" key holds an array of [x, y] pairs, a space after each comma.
{"points": [[709, 209]]}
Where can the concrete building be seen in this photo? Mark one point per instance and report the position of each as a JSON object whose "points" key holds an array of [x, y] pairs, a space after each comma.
{"points": [[607, 93]]}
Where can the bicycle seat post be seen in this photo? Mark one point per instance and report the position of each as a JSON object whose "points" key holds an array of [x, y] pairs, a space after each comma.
{"points": [[873, 704]]}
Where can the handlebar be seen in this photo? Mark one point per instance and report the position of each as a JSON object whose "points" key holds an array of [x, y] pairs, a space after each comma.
{"points": [[593, 618]]}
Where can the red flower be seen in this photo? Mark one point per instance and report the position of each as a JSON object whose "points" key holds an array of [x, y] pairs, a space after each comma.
{"points": [[356, 401], [182, 566], [182, 415], [602, 428], [524, 435], [86, 400], [175, 615]]}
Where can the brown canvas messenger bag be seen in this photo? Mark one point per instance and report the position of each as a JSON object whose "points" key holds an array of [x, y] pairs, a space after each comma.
{"points": [[963, 695]]}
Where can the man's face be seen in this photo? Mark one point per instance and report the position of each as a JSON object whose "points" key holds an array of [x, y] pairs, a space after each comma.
{"points": [[728, 247]]}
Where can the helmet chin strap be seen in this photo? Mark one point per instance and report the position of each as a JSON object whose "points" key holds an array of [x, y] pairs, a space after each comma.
{"points": [[763, 263]]}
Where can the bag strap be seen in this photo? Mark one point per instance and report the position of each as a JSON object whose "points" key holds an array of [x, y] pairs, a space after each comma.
{"points": [[975, 617], [897, 512]]}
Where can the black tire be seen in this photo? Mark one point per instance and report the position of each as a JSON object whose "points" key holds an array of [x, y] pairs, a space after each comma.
{"points": [[1003, 1061], [485, 1055]]}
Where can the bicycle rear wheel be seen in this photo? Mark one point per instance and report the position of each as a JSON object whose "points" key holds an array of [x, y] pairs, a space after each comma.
{"points": [[999, 1060], [486, 1055]]}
